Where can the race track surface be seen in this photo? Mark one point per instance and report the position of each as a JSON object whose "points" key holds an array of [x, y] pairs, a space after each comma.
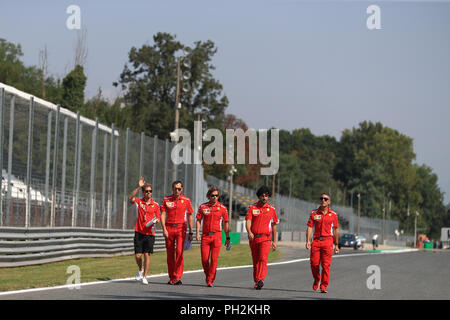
{"points": [[413, 275]]}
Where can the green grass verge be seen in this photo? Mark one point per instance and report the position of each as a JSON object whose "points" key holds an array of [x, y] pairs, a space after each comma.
{"points": [[102, 269]]}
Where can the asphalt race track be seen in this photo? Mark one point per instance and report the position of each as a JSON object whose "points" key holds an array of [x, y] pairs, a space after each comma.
{"points": [[416, 275]]}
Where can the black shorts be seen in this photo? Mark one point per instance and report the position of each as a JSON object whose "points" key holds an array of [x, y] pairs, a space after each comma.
{"points": [[143, 243]]}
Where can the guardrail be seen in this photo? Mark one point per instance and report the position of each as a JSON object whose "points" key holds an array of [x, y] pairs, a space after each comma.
{"points": [[31, 246]]}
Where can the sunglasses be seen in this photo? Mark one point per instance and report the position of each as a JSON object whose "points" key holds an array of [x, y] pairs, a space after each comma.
{"points": [[178, 189], [214, 195], [323, 198], [148, 191]]}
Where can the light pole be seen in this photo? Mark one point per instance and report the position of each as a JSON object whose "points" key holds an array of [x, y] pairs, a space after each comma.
{"points": [[186, 87]]}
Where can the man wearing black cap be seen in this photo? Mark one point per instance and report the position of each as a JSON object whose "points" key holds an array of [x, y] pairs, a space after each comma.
{"points": [[261, 221]]}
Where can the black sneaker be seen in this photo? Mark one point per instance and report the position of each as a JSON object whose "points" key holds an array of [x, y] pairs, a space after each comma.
{"points": [[259, 285], [171, 282], [178, 283]]}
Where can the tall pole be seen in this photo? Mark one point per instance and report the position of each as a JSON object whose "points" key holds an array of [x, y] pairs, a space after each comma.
{"points": [[93, 174], [2, 115], [55, 167], [29, 162], [415, 229], [359, 202], [125, 183], [177, 113], [10, 152]]}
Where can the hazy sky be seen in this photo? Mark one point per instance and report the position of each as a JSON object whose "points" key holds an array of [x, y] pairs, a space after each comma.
{"points": [[286, 64]]}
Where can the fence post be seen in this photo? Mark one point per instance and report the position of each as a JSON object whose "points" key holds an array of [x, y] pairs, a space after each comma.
{"points": [[105, 150], [166, 164], [77, 189], [55, 166], [47, 168], [111, 155], [93, 173], [10, 153], [63, 178], [2, 114], [155, 152], [116, 160], [29, 163], [141, 155], [125, 184], [141, 159], [75, 173]]}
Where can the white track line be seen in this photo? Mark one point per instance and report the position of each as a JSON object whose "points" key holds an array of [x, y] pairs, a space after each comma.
{"points": [[72, 286]]}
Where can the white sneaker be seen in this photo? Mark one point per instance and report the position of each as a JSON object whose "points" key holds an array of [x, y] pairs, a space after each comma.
{"points": [[144, 280], [139, 275]]}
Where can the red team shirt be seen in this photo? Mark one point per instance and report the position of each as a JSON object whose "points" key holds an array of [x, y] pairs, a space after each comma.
{"points": [[146, 212], [176, 210], [323, 223], [262, 217], [213, 216]]}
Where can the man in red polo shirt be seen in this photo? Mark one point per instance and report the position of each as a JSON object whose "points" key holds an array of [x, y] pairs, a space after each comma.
{"points": [[325, 223], [213, 214], [261, 221], [144, 232], [176, 209]]}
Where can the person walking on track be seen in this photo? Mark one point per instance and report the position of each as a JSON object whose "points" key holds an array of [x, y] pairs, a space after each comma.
{"points": [[144, 232], [176, 210], [325, 224], [261, 224], [213, 214]]}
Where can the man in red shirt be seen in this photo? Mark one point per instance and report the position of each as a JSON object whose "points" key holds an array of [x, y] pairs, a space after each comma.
{"points": [[144, 232], [325, 223], [261, 221], [176, 209], [213, 214]]}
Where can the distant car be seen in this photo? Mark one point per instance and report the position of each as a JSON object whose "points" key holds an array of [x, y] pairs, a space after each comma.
{"points": [[349, 240]]}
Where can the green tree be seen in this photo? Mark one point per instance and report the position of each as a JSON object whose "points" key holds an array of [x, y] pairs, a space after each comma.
{"points": [[73, 86], [383, 156], [11, 67], [431, 207], [150, 81], [307, 163]]}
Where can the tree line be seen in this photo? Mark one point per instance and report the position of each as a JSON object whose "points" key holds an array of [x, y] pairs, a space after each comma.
{"points": [[370, 164]]}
